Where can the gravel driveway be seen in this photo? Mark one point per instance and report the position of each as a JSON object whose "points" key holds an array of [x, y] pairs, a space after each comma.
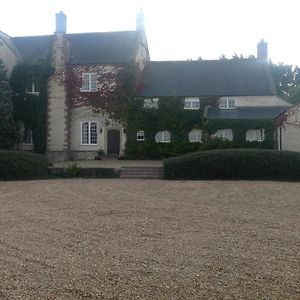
{"points": [[135, 239]]}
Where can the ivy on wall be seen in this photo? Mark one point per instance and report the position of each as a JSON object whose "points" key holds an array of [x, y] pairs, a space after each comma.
{"points": [[172, 116], [31, 109]]}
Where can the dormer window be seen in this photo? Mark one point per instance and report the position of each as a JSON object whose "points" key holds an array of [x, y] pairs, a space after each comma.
{"points": [[89, 82], [151, 103], [32, 89], [191, 103], [227, 103]]}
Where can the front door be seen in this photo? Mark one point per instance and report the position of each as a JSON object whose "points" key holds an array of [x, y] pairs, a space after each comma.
{"points": [[113, 142]]}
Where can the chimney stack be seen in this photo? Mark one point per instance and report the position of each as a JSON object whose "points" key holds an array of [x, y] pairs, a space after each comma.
{"points": [[140, 26], [61, 23], [262, 51]]}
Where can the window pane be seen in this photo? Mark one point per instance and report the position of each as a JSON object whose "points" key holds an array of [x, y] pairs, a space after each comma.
{"points": [[84, 132], [195, 136], [158, 137], [166, 136], [27, 136], [93, 133], [140, 136], [93, 83], [86, 82]]}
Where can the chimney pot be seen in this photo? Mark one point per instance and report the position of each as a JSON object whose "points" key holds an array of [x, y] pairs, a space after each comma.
{"points": [[61, 23], [262, 50]]}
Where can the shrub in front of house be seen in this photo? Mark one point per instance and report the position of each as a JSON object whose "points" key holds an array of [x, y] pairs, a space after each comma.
{"points": [[22, 165], [235, 164]]}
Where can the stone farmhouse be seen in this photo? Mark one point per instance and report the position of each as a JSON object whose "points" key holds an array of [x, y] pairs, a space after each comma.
{"points": [[87, 96]]}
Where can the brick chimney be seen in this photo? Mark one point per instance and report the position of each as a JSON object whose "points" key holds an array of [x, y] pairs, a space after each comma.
{"points": [[262, 51], [61, 23]]}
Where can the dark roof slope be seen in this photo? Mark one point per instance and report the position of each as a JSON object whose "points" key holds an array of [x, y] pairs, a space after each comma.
{"points": [[246, 112], [102, 47], [32, 49], [206, 78], [85, 48]]}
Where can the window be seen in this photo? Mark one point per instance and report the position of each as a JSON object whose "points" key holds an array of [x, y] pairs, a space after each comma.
{"points": [[32, 89], [163, 137], [195, 136], [28, 136], [140, 135], [255, 135], [227, 103], [89, 82], [191, 103], [89, 133], [151, 103], [225, 134]]}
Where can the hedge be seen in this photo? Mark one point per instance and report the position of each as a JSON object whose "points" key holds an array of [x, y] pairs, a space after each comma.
{"points": [[235, 164], [22, 165]]}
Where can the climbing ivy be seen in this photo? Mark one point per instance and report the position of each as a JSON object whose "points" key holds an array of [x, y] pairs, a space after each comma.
{"points": [[31, 109], [172, 116]]}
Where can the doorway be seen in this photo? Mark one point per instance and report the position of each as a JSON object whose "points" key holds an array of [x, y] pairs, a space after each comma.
{"points": [[113, 142]]}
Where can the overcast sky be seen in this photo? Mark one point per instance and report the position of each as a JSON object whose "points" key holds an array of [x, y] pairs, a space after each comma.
{"points": [[176, 29]]}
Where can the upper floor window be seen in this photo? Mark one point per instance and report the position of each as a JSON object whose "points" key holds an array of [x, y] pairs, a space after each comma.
{"points": [[195, 136], [89, 133], [191, 103], [32, 89], [227, 103], [225, 134], [140, 135], [89, 82], [151, 103], [163, 137], [255, 135]]}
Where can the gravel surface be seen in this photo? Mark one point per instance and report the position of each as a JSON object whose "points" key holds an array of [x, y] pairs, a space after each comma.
{"points": [[139, 239]]}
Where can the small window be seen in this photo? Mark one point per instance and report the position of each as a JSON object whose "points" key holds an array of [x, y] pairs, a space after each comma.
{"points": [[89, 133], [191, 103], [163, 137], [89, 82], [255, 135], [28, 136], [227, 103], [195, 136], [32, 89], [140, 135], [151, 103], [225, 134]]}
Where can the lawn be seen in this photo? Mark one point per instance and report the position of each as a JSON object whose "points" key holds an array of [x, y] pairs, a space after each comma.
{"points": [[141, 239]]}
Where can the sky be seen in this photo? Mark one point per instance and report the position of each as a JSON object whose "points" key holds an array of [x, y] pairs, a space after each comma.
{"points": [[175, 29]]}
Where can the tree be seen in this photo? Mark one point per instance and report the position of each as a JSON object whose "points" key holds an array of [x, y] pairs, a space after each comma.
{"points": [[8, 131]]}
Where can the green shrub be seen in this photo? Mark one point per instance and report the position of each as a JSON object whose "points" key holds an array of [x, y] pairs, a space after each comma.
{"points": [[22, 165], [235, 164], [84, 173]]}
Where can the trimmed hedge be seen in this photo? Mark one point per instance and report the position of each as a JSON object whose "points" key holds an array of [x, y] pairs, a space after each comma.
{"points": [[235, 164], [22, 165], [83, 173]]}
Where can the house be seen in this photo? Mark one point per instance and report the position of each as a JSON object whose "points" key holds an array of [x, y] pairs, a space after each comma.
{"points": [[288, 129], [105, 93]]}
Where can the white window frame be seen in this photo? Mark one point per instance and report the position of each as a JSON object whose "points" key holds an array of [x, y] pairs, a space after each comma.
{"points": [[192, 103], [32, 90], [255, 135], [140, 136], [90, 134], [163, 137], [28, 134], [195, 136], [151, 103], [227, 103], [89, 82], [224, 134]]}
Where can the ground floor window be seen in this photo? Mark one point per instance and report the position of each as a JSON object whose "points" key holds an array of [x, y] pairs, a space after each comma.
{"points": [[163, 137], [225, 134], [140, 135], [28, 136], [89, 133], [255, 135], [195, 136]]}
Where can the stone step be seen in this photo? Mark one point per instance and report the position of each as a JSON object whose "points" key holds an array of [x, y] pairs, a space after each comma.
{"points": [[142, 172]]}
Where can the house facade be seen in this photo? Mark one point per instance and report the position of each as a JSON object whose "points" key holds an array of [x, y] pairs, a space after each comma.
{"points": [[105, 93]]}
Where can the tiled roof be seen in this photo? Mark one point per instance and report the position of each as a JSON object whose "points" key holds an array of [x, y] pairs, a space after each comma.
{"points": [[206, 78]]}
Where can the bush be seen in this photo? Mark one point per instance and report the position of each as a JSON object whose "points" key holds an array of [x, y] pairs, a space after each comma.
{"points": [[22, 165], [235, 164], [79, 172]]}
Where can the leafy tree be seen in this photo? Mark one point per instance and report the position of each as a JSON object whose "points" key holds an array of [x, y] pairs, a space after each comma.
{"points": [[8, 131]]}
